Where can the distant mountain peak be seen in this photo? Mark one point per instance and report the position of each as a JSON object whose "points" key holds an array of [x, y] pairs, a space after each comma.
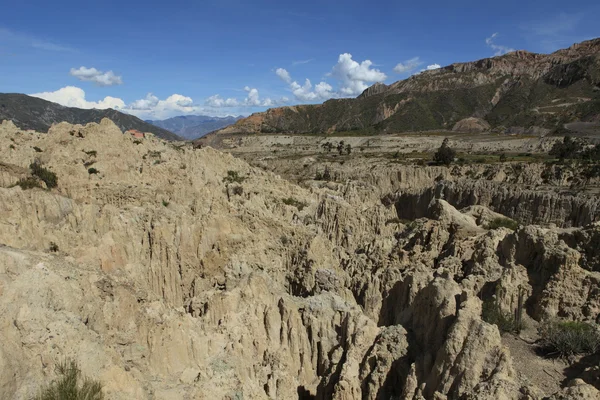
{"points": [[29, 112], [515, 92]]}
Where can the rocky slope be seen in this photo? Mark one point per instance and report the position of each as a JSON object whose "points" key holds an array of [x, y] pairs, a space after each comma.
{"points": [[185, 273], [37, 114], [194, 126], [516, 92]]}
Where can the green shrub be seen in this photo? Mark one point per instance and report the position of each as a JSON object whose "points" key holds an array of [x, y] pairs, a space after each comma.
{"points": [[567, 338], [70, 385], [47, 176], [37, 149], [295, 203], [165, 203], [445, 155], [493, 314], [92, 171], [233, 177], [28, 183], [503, 223], [53, 247]]}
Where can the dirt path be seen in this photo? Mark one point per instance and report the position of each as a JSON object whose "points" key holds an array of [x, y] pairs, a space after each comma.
{"points": [[546, 374]]}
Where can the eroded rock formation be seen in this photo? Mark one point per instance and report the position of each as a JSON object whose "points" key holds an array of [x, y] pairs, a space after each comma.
{"points": [[174, 272]]}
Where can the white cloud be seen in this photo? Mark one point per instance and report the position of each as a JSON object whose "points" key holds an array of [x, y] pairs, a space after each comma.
{"points": [[433, 66], [100, 78], [322, 91], [147, 103], [353, 76], [252, 100], [152, 107], [218, 102], [408, 65], [72, 96], [283, 75], [305, 92], [499, 49]]}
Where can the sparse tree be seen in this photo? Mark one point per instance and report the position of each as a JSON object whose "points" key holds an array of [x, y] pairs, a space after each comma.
{"points": [[348, 149], [445, 155], [340, 147], [327, 146], [568, 148]]}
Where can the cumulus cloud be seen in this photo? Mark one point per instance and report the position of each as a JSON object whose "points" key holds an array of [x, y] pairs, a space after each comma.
{"points": [[252, 100], [153, 107], [100, 78], [147, 103], [355, 77], [283, 75], [433, 66], [218, 102], [322, 91], [306, 92], [72, 96], [499, 49], [408, 65]]}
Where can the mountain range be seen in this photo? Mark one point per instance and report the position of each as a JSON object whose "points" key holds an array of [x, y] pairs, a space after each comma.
{"points": [[29, 112], [514, 93], [194, 126]]}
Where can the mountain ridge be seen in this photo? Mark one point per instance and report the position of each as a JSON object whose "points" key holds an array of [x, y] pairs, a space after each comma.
{"points": [[194, 126], [28, 112], [516, 92]]}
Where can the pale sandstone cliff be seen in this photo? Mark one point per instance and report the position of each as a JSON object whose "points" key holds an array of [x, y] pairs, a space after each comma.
{"points": [[170, 283]]}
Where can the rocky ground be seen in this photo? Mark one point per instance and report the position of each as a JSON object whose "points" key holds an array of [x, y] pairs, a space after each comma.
{"points": [[172, 272]]}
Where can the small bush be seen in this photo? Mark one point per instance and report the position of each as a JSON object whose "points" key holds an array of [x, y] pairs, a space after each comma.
{"points": [[323, 176], [12, 146], [89, 163], [233, 177], [37, 149], [493, 314], [28, 183], [445, 155], [92, 171], [503, 157], [165, 203], [568, 338], [71, 385], [293, 202], [91, 153], [53, 247], [237, 190], [503, 223], [47, 176]]}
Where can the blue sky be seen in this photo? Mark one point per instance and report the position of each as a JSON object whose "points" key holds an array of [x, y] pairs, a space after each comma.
{"points": [[233, 57]]}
